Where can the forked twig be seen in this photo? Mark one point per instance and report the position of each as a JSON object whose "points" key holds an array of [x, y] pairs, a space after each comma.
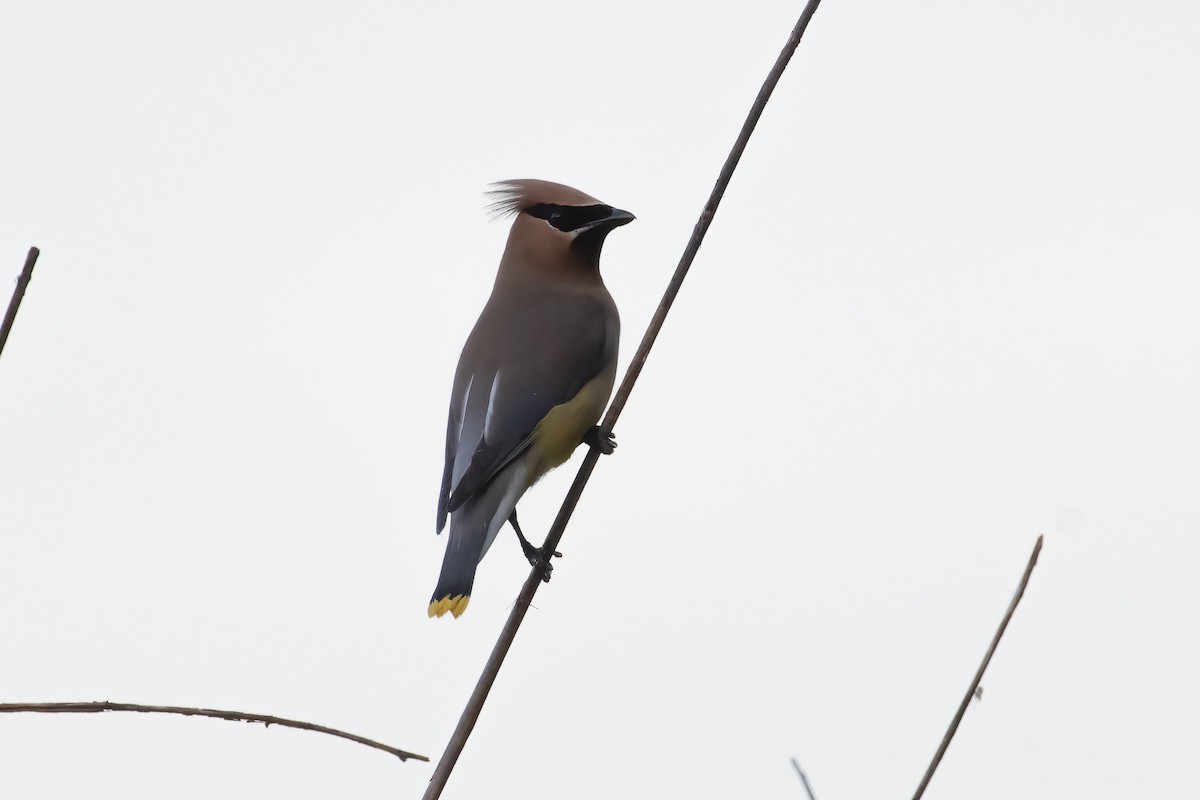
{"points": [[490, 670], [966, 701], [236, 716]]}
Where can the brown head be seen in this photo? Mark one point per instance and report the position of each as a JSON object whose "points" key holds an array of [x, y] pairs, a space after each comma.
{"points": [[557, 231]]}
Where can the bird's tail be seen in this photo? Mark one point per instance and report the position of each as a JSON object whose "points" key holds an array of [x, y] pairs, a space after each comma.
{"points": [[473, 528], [463, 552]]}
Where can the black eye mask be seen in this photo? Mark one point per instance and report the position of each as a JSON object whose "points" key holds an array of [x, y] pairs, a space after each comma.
{"points": [[569, 218]]}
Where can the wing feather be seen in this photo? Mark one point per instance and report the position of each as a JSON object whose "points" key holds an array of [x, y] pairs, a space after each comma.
{"points": [[549, 348]]}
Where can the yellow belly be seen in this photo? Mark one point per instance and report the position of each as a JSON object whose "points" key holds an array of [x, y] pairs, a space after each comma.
{"points": [[560, 431]]}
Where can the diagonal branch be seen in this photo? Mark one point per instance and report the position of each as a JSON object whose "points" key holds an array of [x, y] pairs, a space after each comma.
{"points": [[236, 716], [962, 708], [475, 704], [803, 779], [18, 293]]}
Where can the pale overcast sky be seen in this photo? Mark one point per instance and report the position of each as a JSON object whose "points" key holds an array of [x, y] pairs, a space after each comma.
{"points": [[949, 303]]}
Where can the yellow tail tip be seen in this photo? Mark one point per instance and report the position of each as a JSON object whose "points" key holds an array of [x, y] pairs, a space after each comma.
{"points": [[456, 605]]}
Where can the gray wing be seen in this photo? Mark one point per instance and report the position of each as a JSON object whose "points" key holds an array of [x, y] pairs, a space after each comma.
{"points": [[519, 362]]}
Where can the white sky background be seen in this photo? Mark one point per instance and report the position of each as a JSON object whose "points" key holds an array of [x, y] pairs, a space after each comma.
{"points": [[949, 302]]}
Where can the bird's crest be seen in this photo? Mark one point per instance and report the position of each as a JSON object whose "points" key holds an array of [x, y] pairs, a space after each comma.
{"points": [[508, 198]]}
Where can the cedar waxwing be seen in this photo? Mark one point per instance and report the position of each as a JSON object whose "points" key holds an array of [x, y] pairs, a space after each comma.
{"points": [[534, 376]]}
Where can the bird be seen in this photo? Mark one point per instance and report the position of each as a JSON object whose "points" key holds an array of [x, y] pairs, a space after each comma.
{"points": [[534, 376]]}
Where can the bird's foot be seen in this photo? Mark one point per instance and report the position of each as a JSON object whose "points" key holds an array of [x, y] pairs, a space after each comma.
{"points": [[535, 555], [605, 444], [538, 560]]}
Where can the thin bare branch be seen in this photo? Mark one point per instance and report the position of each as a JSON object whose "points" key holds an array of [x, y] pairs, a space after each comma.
{"points": [[470, 715], [18, 293], [236, 716], [971, 691], [804, 779]]}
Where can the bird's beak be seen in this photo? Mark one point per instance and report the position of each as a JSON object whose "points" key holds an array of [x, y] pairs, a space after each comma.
{"points": [[614, 220]]}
